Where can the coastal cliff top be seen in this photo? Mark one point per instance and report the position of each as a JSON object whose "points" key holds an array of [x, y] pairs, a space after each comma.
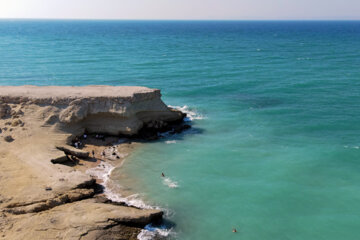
{"points": [[38, 92]]}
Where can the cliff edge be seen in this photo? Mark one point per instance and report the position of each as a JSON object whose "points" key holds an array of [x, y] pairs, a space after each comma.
{"points": [[38, 125]]}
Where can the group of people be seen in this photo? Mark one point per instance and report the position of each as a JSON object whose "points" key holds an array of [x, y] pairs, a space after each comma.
{"points": [[77, 142]]}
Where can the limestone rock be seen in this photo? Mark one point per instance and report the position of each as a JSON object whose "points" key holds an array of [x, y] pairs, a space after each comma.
{"points": [[73, 151], [98, 109], [82, 220], [59, 159]]}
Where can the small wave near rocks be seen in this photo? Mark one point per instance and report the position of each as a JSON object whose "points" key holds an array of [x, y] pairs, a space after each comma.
{"points": [[191, 114]]}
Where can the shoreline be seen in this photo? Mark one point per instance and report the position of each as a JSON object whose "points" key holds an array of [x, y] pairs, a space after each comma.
{"points": [[52, 182]]}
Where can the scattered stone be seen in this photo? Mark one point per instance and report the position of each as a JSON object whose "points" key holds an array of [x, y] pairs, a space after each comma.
{"points": [[48, 188], [20, 112], [16, 122], [4, 110], [8, 138]]}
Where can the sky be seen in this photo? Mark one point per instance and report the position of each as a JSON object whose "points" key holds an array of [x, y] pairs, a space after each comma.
{"points": [[183, 9]]}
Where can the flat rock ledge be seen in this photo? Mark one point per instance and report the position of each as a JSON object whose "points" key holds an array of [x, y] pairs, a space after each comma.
{"points": [[43, 200]]}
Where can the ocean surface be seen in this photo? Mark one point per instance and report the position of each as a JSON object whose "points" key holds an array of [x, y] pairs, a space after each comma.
{"points": [[275, 106]]}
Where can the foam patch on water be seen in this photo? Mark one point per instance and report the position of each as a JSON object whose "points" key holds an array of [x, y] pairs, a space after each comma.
{"points": [[170, 183], [191, 114], [170, 142], [103, 172], [354, 147], [150, 232]]}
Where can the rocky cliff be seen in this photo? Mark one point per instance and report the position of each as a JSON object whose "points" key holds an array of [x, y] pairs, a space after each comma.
{"points": [[42, 199], [106, 109]]}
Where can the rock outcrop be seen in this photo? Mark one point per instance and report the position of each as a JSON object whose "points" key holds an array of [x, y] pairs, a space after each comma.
{"points": [[43, 200], [105, 109]]}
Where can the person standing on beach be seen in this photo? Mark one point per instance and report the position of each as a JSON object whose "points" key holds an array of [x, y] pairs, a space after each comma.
{"points": [[93, 153]]}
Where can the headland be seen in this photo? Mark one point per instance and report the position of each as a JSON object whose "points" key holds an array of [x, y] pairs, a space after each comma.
{"points": [[49, 139]]}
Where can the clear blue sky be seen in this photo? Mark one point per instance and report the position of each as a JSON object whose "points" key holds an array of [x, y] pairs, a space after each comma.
{"points": [[182, 9]]}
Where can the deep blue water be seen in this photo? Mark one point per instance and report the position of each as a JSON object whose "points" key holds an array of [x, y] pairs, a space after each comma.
{"points": [[276, 151]]}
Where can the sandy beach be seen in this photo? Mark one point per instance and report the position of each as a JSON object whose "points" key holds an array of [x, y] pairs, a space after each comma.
{"points": [[52, 138]]}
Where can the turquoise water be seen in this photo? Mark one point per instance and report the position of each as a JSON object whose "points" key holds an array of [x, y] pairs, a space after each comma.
{"points": [[276, 151]]}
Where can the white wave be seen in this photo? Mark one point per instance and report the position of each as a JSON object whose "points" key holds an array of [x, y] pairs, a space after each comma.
{"points": [[190, 113], [354, 147], [170, 141], [303, 58], [170, 183], [150, 232], [103, 172]]}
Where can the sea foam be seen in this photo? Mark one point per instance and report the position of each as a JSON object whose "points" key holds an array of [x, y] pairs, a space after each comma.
{"points": [[150, 232], [191, 114], [170, 183], [103, 172]]}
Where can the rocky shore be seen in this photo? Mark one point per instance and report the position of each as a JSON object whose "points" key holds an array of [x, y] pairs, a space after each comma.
{"points": [[46, 191]]}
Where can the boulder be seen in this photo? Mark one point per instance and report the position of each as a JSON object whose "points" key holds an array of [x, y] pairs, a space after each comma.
{"points": [[8, 138], [73, 151]]}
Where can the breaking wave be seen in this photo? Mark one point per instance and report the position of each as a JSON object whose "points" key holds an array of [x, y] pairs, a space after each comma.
{"points": [[150, 232], [103, 172], [170, 183], [191, 114]]}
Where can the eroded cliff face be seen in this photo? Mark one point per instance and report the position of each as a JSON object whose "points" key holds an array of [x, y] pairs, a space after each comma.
{"points": [[41, 199], [104, 109]]}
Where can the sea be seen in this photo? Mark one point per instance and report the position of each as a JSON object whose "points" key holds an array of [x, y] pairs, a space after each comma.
{"points": [[274, 149]]}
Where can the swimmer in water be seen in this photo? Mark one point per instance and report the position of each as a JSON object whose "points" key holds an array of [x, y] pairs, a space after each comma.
{"points": [[234, 230], [162, 174]]}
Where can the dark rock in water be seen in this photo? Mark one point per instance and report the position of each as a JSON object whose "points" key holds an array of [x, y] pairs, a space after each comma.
{"points": [[153, 129], [180, 128], [9, 138]]}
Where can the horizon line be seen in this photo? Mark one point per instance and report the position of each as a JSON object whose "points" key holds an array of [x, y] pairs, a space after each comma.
{"points": [[126, 19]]}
